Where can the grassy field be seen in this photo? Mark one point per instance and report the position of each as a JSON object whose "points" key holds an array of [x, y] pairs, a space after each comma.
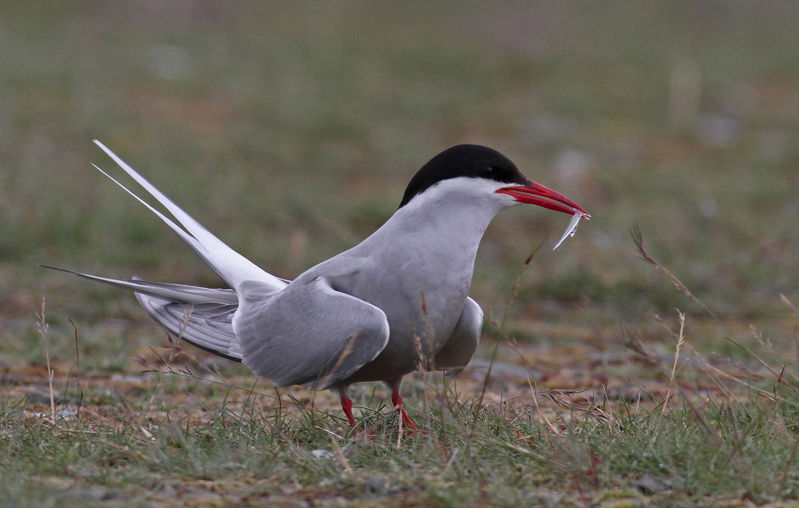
{"points": [[290, 130]]}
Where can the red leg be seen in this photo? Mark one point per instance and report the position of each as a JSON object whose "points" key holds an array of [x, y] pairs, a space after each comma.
{"points": [[396, 399], [346, 405]]}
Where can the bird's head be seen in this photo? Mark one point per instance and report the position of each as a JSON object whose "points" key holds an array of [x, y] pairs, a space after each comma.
{"points": [[489, 173]]}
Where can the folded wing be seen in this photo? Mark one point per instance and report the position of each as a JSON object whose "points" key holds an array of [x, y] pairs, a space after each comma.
{"points": [[462, 345], [205, 325], [308, 333]]}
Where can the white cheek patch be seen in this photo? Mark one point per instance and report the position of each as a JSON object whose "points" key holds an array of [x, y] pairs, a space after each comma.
{"points": [[571, 229]]}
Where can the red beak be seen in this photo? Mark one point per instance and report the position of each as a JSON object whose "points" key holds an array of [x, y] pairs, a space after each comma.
{"points": [[537, 194]]}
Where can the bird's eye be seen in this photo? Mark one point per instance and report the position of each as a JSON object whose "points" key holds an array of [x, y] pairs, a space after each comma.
{"points": [[489, 171]]}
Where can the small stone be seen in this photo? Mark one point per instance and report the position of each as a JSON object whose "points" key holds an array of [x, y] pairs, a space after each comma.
{"points": [[377, 485], [652, 485], [321, 454]]}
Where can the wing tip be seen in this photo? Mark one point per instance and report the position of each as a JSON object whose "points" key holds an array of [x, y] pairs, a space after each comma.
{"points": [[51, 267]]}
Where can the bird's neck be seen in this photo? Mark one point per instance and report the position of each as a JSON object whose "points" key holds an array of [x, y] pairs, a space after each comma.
{"points": [[438, 229]]}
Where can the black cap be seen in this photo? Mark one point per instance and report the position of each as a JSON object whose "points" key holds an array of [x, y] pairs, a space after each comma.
{"points": [[473, 161]]}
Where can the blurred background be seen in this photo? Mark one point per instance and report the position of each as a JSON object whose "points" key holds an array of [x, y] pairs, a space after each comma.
{"points": [[291, 129]]}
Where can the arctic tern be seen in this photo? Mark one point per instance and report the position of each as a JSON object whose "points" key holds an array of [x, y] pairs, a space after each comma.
{"points": [[396, 302]]}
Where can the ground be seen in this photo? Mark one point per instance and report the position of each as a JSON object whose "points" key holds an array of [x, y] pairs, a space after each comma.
{"points": [[291, 130]]}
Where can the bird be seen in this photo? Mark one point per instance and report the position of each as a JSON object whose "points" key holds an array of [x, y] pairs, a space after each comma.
{"points": [[395, 303]]}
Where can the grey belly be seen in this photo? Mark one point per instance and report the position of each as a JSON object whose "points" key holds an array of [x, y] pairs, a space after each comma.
{"points": [[418, 332]]}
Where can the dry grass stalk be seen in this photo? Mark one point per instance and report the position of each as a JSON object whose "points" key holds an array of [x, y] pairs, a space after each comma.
{"points": [[77, 369], [789, 304], [680, 341], [41, 328], [710, 369], [778, 375], [539, 414], [347, 351], [342, 458], [638, 238], [501, 325]]}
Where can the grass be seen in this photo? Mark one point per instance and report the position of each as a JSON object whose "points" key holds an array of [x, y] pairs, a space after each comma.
{"points": [[291, 131], [176, 437], [188, 432]]}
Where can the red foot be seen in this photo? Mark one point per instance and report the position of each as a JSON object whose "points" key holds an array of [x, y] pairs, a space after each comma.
{"points": [[397, 401], [346, 405]]}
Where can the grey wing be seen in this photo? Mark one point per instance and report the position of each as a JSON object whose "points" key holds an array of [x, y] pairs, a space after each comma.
{"points": [[170, 291], [205, 325], [460, 347], [201, 316], [309, 334]]}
